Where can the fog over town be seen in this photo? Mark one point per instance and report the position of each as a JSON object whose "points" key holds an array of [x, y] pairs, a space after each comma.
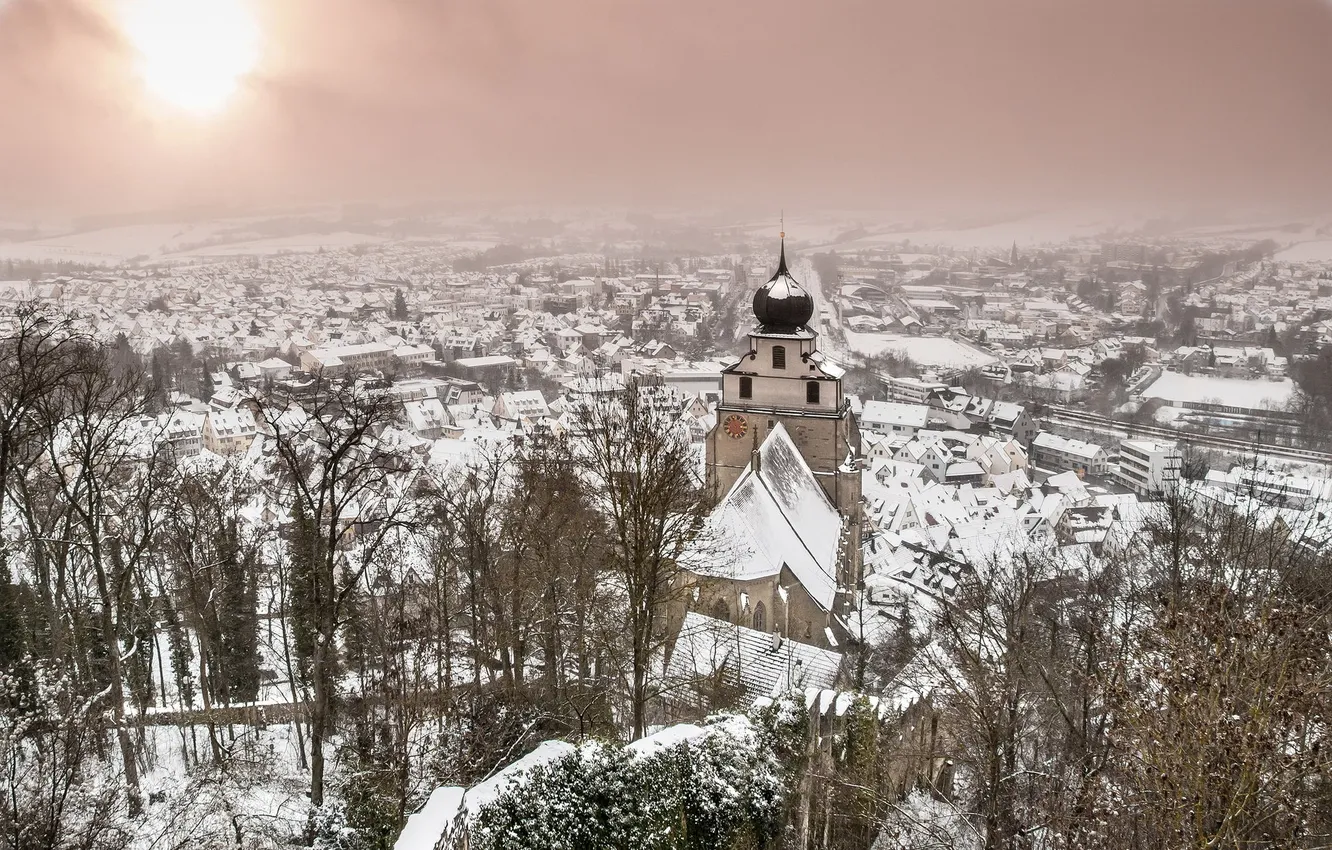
{"points": [[433, 425]]}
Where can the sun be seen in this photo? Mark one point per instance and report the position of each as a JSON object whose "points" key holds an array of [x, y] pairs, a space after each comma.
{"points": [[192, 53]]}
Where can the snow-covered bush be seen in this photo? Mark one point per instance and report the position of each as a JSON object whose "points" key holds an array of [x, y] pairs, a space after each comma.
{"points": [[924, 822], [718, 786]]}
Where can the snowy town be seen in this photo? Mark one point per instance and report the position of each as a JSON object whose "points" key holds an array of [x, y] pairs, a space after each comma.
{"points": [[868, 437], [665, 426]]}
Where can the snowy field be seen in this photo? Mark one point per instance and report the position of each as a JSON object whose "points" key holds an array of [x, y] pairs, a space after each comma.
{"points": [[306, 243], [113, 245], [925, 350], [994, 232], [1318, 249], [1260, 394]]}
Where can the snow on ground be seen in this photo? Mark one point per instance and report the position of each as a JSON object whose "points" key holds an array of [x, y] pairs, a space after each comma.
{"points": [[304, 243], [1260, 394], [113, 245], [1303, 252], [925, 350], [424, 829], [1038, 229], [1166, 415], [264, 794], [992, 232]]}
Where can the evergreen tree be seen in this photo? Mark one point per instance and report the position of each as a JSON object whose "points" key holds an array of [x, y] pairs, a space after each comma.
{"points": [[12, 631], [904, 642], [238, 625], [182, 657], [303, 545], [399, 305]]}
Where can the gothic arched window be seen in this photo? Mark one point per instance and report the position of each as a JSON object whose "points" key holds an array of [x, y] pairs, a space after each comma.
{"points": [[779, 357], [760, 618], [811, 392]]}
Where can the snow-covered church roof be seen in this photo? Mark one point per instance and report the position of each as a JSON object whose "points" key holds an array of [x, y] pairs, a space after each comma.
{"points": [[775, 515]]}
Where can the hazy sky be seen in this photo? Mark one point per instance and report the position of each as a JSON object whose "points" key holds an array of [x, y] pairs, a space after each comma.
{"points": [[799, 103]]}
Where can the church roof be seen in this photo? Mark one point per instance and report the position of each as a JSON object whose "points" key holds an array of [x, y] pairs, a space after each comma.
{"points": [[776, 516], [749, 659], [782, 305]]}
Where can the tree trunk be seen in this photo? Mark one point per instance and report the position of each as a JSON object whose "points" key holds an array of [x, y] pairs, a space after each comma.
{"points": [[318, 723], [117, 696]]}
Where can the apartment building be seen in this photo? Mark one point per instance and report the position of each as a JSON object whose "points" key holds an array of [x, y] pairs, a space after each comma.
{"points": [[1148, 467], [1060, 454]]}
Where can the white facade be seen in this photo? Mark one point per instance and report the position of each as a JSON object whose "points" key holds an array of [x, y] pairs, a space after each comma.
{"points": [[228, 432], [1061, 454], [911, 390], [1148, 467], [340, 358], [893, 419]]}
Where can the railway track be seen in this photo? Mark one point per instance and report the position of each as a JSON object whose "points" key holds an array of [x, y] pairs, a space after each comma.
{"points": [[1081, 418]]}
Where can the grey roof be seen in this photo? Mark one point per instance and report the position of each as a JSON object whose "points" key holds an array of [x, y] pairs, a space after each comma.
{"points": [[760, 663]]}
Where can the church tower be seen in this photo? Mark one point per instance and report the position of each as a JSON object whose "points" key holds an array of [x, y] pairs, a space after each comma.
{"points": [[785, 378]]}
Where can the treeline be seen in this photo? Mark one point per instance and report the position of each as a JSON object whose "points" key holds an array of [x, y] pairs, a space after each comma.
{"points": [[1312, 400], [497, 255], [1171, 691], [417, 624]]}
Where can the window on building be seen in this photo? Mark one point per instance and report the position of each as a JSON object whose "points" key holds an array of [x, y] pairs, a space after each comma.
{"points": [[779, 357], [812, 392], [760, 618], [721, 610], [746, 387]]}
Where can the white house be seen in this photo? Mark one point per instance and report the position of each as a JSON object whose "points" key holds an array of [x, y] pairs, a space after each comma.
{"points": [[892, 418], [228, 432], [1053, 452], [1148, 467]]}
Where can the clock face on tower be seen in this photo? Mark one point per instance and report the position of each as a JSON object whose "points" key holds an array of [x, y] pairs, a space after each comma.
{"points": [[735, 426]]}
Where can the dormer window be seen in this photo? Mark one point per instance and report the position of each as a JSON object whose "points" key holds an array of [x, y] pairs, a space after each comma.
{"points": [[779, 357], [811, 392]]}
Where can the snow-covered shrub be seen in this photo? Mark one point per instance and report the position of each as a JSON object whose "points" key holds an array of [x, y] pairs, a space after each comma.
{"points": [[58, 793], [719, 788], [923, 822]]}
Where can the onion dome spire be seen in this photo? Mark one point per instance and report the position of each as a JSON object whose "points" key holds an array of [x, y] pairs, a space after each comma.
{"points": [[782, 305]]}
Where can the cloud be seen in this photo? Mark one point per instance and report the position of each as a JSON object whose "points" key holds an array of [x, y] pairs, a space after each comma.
{"points": [[867, 102]]}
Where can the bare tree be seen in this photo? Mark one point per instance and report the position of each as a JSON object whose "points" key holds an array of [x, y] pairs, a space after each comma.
{"points": [[639, 464], [349, 489], [104, 457], [38, 354], [210, 568], [50, 796]]}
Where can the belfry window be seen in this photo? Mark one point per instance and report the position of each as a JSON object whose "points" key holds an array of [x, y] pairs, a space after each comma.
{"points": [[760, 618], [779, 357], [746, 387], [811, 392]]}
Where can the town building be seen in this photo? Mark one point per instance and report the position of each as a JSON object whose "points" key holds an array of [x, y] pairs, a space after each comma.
{"points": [[911, 390], [785, 379], [1148, 467], [229, 432], [892, 418], [1060, 454], [782, 549], [339, 359]]}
